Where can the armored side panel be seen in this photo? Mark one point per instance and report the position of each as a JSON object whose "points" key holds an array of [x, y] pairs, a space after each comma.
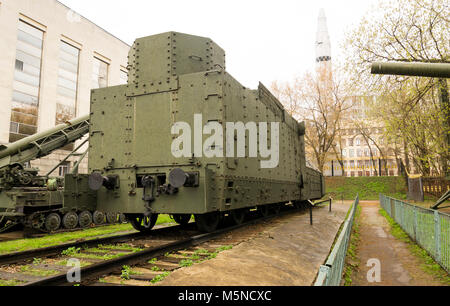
{"points": [[77, 194], [161, 57], [315, 184], [19, 202]]}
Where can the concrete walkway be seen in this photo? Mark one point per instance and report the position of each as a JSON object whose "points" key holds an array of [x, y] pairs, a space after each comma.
{"points": [[398, 266], [288, 252]]}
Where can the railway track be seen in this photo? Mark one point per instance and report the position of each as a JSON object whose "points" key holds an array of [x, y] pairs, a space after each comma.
{"points": [[106, 261]]}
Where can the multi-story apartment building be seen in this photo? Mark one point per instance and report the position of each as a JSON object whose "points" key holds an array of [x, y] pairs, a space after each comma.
{"points": [[362, 145], [51, 59]]}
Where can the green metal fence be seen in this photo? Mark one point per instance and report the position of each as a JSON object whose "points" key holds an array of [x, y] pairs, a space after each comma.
{"points": [[429, 228], [330, 274]]}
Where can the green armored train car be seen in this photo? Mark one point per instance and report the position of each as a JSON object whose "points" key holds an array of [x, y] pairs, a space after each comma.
{"points": [[184, 137]]}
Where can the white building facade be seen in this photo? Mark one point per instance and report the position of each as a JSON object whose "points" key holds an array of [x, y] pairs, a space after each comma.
{"points": [[51, 59]]}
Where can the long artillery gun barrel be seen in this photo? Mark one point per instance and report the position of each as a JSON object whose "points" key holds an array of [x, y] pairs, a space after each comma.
{"points": [[431, 70], [44, 143]]}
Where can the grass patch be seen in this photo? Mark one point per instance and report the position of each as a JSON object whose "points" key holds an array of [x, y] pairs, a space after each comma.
{"points": [[71, 251], [127, 272], [369, 188], [123, 247], [224, 248], [186, 263], [102, 257], [10, 283], [165, 219], [160, 277], [36, 272], [428, 264], [352, 260], [65, 261], [61, 238]]}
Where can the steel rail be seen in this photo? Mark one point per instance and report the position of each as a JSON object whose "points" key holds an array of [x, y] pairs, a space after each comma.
{"points": [[105, 267], [17, 257]]}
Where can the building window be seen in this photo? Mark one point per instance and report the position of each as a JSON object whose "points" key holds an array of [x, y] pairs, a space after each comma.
{"points": [[100, 74], [351, 153], [67, 83], [64, 169], [352, 164], [27, 75], [350, 142], [123, 77], [344, 153], [359, 153], [358, 141], [19, 65]]}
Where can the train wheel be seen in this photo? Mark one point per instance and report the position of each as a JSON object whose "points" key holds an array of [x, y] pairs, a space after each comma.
{"points": [[52, 222], [208, 222], [112, 218], [122, 219], [70, 220], [143, 223], [276, 208], [85, 219], [182, 219], [98, 217], [238, 216], [263, 210]]}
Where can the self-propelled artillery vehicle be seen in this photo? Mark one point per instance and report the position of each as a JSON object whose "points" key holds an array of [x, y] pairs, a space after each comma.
{"points": [[40, 202]]}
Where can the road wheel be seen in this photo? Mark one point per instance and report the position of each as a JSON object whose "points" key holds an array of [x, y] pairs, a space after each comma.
{"points": [[85, 219], [52, 222], [98, 218], [70, 220], [112, 218]]}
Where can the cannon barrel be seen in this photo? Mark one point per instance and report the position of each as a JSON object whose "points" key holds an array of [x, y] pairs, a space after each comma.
{"points": [[413, 69], [43, 143]]}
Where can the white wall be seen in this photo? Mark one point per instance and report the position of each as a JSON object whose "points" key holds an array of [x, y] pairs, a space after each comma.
{"points": [[58, 23]]}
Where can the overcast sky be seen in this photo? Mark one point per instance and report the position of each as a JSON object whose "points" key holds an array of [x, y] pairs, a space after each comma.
{"points": [[264, 40]]}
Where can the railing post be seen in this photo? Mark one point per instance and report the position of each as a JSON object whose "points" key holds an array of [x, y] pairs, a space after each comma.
{"points": [[415, 223], [322, 278], [402, 215], [330, 205], [437, 235]]}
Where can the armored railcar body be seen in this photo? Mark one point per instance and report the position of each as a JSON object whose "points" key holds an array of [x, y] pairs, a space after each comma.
{"points": [[178, 88]]}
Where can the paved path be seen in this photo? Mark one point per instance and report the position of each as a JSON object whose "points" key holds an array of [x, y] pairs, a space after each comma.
{"points": [[398, 266]]}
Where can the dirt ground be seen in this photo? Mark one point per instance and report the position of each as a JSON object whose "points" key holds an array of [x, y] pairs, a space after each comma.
{"points": [[398, 266], [286, 252]]}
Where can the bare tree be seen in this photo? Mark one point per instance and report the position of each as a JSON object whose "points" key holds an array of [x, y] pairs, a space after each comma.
{"points": [[319, 100]]}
